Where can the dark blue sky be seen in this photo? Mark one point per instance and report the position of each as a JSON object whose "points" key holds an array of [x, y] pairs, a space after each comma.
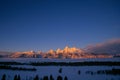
{"points": [[45, 24]]}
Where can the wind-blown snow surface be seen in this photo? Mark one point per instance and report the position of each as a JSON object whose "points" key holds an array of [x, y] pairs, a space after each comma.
{"points": [[70, 71]]}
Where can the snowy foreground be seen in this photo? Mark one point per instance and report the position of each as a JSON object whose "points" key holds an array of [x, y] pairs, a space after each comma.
{"points": [[71, 72]]}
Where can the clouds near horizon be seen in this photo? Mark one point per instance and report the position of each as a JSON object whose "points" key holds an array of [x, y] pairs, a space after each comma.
{"points": [[110, 47]]}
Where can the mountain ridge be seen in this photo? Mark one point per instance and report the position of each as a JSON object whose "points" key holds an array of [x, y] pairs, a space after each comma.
{"points": [[67, 52]]}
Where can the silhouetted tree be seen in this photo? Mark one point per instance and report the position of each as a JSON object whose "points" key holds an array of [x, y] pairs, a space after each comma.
{"points": [[60, 70], [18, 78], [45, 78], [36, 77], [51, 77], [65, 78], [59, 78], [3, 77], [15, 77], [79, 72]]}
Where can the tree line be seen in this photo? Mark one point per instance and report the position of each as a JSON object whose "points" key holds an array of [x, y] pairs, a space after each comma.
{"points": [[113, 71], [18, 77], [86, 63], [16, 68]]}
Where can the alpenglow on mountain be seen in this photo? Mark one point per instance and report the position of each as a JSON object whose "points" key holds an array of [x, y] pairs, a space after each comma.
{"points": [[66, 53]]}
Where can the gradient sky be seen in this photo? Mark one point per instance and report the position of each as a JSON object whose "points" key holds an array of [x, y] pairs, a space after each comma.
{"points": [[45, 24]]}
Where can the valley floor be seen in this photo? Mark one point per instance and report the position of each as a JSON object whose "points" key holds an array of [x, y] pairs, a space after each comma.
{"points": [[71, 72]]}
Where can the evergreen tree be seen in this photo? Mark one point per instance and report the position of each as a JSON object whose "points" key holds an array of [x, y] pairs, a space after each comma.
{"points": [[18, 77], [15, 77], [51, 77], [60, 70], [36, 77], [3, 77], [45, 78], [79, 72], [65, 78], [59, 78]]}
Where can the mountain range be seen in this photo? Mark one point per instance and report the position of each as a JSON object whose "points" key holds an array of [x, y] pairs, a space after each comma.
{"points": [[67, 52]]}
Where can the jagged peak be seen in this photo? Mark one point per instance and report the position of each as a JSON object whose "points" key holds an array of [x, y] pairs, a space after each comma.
{"points": [[66, 47], [67, 52], [32, 51], [71, 50], [59, 50], [51, 51]]}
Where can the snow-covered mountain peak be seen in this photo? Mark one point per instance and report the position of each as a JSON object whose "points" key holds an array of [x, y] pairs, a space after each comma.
{"points": [[72, 50], [67, 52], [22, 54], [51, 51]]}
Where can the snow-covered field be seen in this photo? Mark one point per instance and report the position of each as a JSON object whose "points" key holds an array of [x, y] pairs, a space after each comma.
{"points": [[70, 71]]}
